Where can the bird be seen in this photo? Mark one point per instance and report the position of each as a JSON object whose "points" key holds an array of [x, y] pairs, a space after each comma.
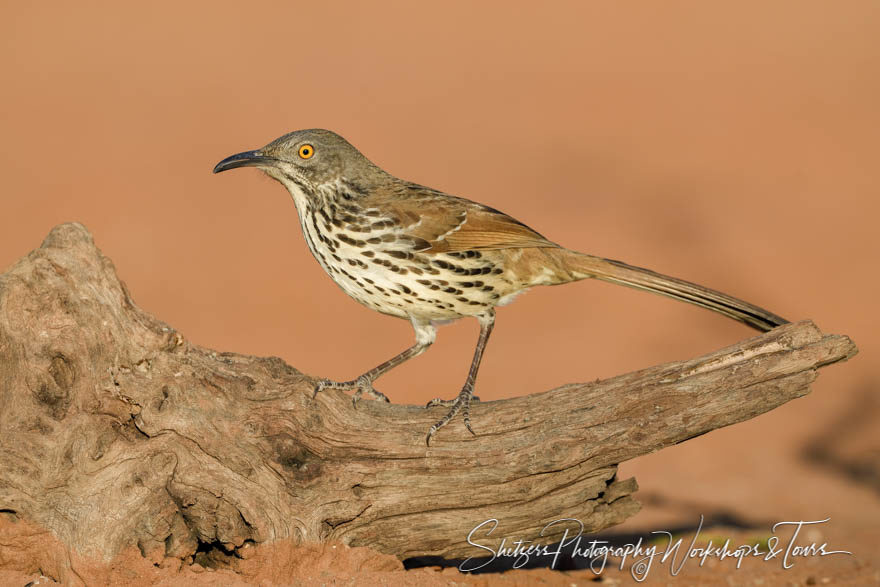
{"points": [[417, 253]]}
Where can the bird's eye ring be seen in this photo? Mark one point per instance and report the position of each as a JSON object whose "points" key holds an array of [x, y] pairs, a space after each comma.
{"points": [[306, 151]]}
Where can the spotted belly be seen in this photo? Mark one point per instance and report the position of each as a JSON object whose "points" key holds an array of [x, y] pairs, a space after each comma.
{"points": [[386, 277], [439, 287]]}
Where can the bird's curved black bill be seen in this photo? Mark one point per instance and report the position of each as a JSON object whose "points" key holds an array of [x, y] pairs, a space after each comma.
{"points": [[246, 159]]}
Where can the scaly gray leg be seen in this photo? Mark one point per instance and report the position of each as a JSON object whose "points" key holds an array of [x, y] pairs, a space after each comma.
{"points": [[463, 401], [426, 333]]}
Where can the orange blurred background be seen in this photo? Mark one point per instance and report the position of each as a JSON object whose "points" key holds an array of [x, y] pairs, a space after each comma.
{"points": [[732, 145]]}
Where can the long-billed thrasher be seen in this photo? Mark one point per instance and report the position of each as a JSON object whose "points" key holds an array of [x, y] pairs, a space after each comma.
{"points": [[417, 253]]}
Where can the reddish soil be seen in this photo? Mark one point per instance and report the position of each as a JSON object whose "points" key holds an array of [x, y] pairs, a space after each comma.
{"points": [[733, 145], [30, 554]]}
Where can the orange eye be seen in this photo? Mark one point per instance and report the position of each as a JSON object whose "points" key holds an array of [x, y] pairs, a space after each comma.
{"points": [[306, 151]]}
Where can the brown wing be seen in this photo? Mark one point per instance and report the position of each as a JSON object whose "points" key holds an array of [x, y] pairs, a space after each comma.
{"points": [[448, 224]]}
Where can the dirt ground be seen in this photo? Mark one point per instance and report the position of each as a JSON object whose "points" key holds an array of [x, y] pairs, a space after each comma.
{"points": [[30, 555], [733, 144]]}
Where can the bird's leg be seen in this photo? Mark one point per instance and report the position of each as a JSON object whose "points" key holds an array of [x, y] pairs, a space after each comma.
{"points": [[462, 403], [426, 333], [364, 383]]}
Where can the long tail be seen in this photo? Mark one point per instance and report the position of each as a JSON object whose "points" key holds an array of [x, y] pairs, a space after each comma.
{"points": [[583, 266]]}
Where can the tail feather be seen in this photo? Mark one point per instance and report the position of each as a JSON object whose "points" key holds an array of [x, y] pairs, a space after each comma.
{"points": [[583, 266]]}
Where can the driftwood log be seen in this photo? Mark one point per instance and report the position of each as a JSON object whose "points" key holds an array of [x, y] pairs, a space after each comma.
{"points": [[115, 431]]}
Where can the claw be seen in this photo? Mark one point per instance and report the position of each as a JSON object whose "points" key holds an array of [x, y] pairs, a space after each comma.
{"points": [[466, 415], [379, 396], [446, 403], [320, 386], [361, 385], [462, 403]]}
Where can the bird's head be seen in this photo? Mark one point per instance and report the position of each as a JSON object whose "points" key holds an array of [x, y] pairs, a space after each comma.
{"points": [[306, 160]]}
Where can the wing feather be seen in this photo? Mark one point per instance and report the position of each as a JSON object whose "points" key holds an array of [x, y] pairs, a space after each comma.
{"points": [[449, 224]]}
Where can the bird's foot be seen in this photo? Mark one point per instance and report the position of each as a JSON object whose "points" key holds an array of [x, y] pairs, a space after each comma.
{"points": [[447, 403], [462, 404], [362, 385]]}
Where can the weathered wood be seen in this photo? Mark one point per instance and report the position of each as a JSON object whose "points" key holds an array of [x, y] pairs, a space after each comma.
{"points": [[117, 431]]}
